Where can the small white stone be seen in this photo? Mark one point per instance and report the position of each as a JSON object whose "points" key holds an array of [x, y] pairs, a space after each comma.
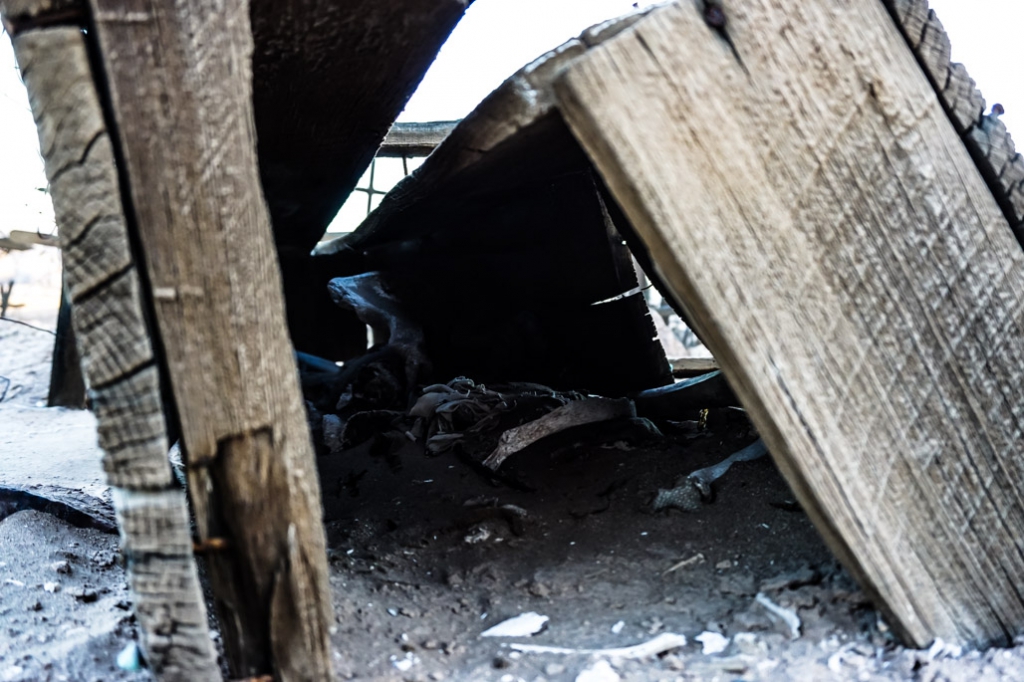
{"points": [[406, 663], [129, 659], [617, 628], [11, 673], [712, 642], [599, 672], [523, 625]]}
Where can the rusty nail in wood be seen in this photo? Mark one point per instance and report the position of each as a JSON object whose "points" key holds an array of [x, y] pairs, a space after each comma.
{"points": [[209, 545]]}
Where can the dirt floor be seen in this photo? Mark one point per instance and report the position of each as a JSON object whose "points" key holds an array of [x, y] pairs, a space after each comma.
{"points": [[426, 554]]}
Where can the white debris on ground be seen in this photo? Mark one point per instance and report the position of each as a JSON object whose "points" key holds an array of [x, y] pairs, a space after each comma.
{"points": [[659, 645], [601, 671], [523, 625], [712, 642]]}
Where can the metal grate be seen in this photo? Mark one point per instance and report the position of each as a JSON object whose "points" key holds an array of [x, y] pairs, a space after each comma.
{"points": [[402, 151]]}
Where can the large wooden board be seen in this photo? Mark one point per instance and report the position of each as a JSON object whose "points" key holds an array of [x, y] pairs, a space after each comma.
{"points": [[809, 202], [180, 96], [103, 282]]}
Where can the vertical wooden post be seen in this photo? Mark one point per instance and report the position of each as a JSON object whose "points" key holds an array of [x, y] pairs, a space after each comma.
{"points": [[103, 283], [179, 78], [67, 385]]}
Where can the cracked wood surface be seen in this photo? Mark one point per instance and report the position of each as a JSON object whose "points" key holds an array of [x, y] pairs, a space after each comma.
{"points": [[179, 80], [819, 217], [984, 135], [116, 351]]}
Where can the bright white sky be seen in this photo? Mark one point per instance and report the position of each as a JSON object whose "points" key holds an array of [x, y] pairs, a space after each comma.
{"points": [[494, 39]]}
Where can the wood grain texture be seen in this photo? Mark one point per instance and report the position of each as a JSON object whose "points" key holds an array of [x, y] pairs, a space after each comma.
{"points": [[155, 534], [816, 212], [116, 352], [414, 139], [180, 91], [985, 136]]}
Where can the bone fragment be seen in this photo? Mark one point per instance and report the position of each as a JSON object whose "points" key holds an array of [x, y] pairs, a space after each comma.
{"points": [[659, 645], [575, 413]]}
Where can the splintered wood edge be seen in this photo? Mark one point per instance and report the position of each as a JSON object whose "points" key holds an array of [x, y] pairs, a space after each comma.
{"points": [[984, 135], [415, 139], [117, 353], [522, 100]]}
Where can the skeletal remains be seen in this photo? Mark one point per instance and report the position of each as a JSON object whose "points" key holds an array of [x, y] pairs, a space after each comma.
{"points": [[378, 397]]}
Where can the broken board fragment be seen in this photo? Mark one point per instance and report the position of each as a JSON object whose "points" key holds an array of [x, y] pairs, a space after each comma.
{"points": [[814, 210]]}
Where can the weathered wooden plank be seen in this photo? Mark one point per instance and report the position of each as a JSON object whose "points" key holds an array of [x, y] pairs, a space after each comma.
{"points": [[962, 97], [115, 345], [520, 104], [155, 535], [69, 504], [686, 368], [132, 431], [934, 50], [186, 134], [414, 139], [984, 135], [996, 152], [23, 15], [815, 211], [912, 16]]}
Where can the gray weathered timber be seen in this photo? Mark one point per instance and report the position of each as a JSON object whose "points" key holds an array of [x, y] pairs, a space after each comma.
{"points": [[984, 135], [180, 93], [117, 354], [414, 139], [817, 214]]}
